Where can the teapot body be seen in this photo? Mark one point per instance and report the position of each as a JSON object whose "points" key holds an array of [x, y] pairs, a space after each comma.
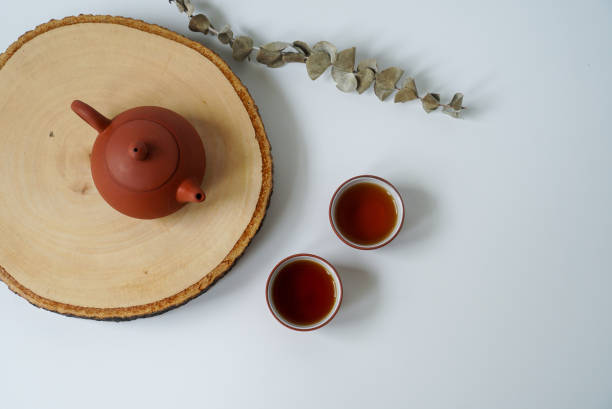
{"points": [[147, 162]]}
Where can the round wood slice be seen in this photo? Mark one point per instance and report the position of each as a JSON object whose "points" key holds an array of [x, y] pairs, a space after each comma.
{"points": [[61, 246]]}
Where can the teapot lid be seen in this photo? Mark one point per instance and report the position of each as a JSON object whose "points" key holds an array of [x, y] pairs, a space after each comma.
{"points": [[141, 155]]}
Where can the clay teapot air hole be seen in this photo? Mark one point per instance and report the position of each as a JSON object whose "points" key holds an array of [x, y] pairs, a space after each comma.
{"points": [[147, 162]]}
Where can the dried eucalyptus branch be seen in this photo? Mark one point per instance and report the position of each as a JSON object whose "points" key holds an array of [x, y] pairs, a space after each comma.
{"points": [[319, 58]]}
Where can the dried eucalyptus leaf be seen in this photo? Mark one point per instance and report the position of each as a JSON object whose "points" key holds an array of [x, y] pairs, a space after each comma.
{"points": [[345, 60], [410, 84], [336, 73], [388, 78], [327, 47], [276, 46], [369, 63], [200, 23], [317, 63], [302, 47], [408, 91], [184, 6], [366, 73], [189, 7], [431, 102], [365, 78], [385, 82], [226, 35], [382, 93], [346, 81], [294, 57], [405, 95], [179, 5], [277, 64], [457, 101], [242, 47], [268, 57], [451, 112]]}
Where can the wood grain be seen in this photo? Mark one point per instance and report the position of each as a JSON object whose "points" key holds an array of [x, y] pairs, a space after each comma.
{"points": [[61, 246]]}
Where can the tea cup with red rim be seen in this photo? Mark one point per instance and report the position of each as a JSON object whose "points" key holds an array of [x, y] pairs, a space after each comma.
{"points": [[366, 212], [304, 292]]}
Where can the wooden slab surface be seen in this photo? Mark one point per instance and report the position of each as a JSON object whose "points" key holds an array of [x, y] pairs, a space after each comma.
{"points": [[61, 246]]}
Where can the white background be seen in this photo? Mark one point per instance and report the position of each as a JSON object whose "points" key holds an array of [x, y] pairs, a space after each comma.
{"points": [[495, 295]]}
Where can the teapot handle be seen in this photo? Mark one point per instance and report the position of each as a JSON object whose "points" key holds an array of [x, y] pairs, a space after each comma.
{"points": [[98, 121]]}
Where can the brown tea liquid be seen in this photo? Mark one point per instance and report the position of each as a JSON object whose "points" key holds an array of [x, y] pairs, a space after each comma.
{"points": [[303, 292], [365, 213]]}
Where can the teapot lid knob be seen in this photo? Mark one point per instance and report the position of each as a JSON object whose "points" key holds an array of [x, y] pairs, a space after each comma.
{"points": [[138, 150]]}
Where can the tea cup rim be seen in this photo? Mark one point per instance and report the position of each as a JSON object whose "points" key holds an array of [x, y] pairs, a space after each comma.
{"points": [[330, 269], [398, 226]]}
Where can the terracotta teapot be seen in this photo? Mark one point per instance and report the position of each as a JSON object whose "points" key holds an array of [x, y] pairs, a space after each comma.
{"points": [[147, 162]]}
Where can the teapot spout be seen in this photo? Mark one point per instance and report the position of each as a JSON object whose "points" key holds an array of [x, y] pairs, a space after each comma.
{"points": [[189, 191], [98, 121]]}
